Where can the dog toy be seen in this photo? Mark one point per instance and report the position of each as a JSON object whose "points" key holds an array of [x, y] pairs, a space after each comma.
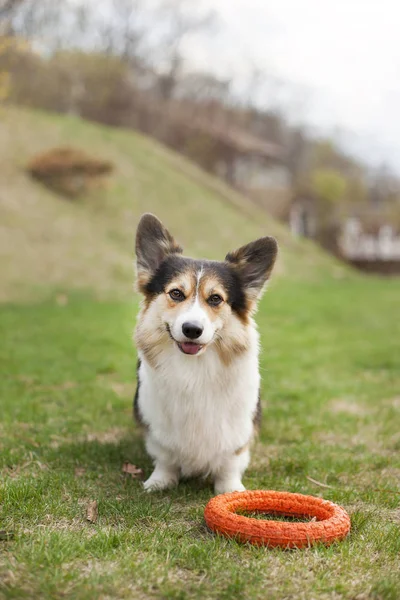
{"points": [[329, 521]]}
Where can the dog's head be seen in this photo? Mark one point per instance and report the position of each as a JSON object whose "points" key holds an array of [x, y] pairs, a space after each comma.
{"points": [[195, 303]]}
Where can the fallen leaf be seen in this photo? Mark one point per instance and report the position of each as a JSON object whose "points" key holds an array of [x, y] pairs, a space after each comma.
{"points": [[92, 511], [132, 470], [79, 471]]}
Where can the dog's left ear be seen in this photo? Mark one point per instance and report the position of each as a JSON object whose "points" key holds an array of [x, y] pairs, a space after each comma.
{"points": [[153, 244], [254, 263]]}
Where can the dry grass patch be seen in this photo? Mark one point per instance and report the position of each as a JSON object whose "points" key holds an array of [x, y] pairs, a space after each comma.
{"points": [[69, 171], [112, 436], [348, 406], [121, 389]]}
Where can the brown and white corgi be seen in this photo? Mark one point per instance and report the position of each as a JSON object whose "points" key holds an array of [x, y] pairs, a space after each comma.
{"points": [[198, 376]]}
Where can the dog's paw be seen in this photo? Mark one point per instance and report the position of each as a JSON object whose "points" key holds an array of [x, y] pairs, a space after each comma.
{"points": [[158, 483], [224, 487]]}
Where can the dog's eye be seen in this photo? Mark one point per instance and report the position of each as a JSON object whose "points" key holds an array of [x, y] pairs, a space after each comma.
{"points": [[177, 295], [214, 300]]}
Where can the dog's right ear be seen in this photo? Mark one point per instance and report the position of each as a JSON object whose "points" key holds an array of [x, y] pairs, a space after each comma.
{"points": [[153, 244]]}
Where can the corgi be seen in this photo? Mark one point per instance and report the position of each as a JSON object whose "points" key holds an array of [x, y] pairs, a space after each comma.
{"points": [[198, 381]]}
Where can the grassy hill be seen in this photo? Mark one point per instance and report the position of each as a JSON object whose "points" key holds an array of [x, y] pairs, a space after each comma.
{"points": [[48, 242]]}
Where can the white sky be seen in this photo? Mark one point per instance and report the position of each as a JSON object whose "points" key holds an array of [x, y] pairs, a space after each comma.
{"points": [[344, 55]]}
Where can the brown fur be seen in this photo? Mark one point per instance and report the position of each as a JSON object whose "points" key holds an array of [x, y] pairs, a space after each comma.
{"points": [[242, 449], [150, 340], [234, 340]]}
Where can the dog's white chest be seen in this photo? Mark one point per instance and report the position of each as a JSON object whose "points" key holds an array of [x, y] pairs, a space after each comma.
{"points": [[198, 409]]}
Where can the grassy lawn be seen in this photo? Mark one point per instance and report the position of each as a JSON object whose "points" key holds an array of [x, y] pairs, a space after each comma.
{"points": [[331, 396]]}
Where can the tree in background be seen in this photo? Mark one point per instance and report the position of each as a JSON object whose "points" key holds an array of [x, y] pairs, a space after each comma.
{"points": [[329, 185], [8, 43], [178, 20]]}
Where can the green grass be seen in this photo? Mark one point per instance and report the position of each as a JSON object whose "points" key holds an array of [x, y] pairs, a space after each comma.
{"points": [[331, 372]]}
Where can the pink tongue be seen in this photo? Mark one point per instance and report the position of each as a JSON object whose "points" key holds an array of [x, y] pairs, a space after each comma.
{"points": [[190, 347]]}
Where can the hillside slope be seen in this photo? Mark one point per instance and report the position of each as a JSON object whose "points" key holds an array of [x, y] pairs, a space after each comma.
{"points": [[49, 243]]}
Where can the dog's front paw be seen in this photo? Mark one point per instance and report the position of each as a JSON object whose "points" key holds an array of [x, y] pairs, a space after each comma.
{"points": [[226, 486], [160, 481], [153, 485]]}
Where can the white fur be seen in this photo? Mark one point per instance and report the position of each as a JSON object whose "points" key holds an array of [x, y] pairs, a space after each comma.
{"points": [[195, 314], [199, 412]]}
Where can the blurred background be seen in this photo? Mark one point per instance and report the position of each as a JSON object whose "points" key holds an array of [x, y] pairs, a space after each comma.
{"points": [[295, 107], [229, 120]]}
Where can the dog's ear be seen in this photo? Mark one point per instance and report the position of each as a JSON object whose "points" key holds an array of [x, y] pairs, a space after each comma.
{"points": [[254, 263], [153, 244]]}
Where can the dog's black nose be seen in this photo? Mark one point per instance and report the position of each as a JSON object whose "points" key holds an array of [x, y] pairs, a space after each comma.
{"points": [[192, 330]]}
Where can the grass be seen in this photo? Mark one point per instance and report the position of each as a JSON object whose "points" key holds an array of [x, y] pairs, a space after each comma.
{"points": [[330, 370]]}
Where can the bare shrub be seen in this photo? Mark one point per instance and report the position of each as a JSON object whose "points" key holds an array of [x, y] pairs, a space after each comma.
{"points": [[69, 171]]}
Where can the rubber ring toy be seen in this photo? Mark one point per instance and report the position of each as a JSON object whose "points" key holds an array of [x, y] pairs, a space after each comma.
{"points": [[331, 521]]}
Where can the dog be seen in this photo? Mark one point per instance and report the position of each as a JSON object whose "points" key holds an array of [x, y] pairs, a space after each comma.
{"points": [[198, 381]]}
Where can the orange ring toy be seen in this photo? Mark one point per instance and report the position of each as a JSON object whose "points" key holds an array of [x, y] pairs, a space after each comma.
{"points": [[332, 522]]}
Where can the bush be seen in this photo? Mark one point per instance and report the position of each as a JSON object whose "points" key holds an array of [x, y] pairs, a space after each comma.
{"points": [[68, 170], [329, 185]]}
